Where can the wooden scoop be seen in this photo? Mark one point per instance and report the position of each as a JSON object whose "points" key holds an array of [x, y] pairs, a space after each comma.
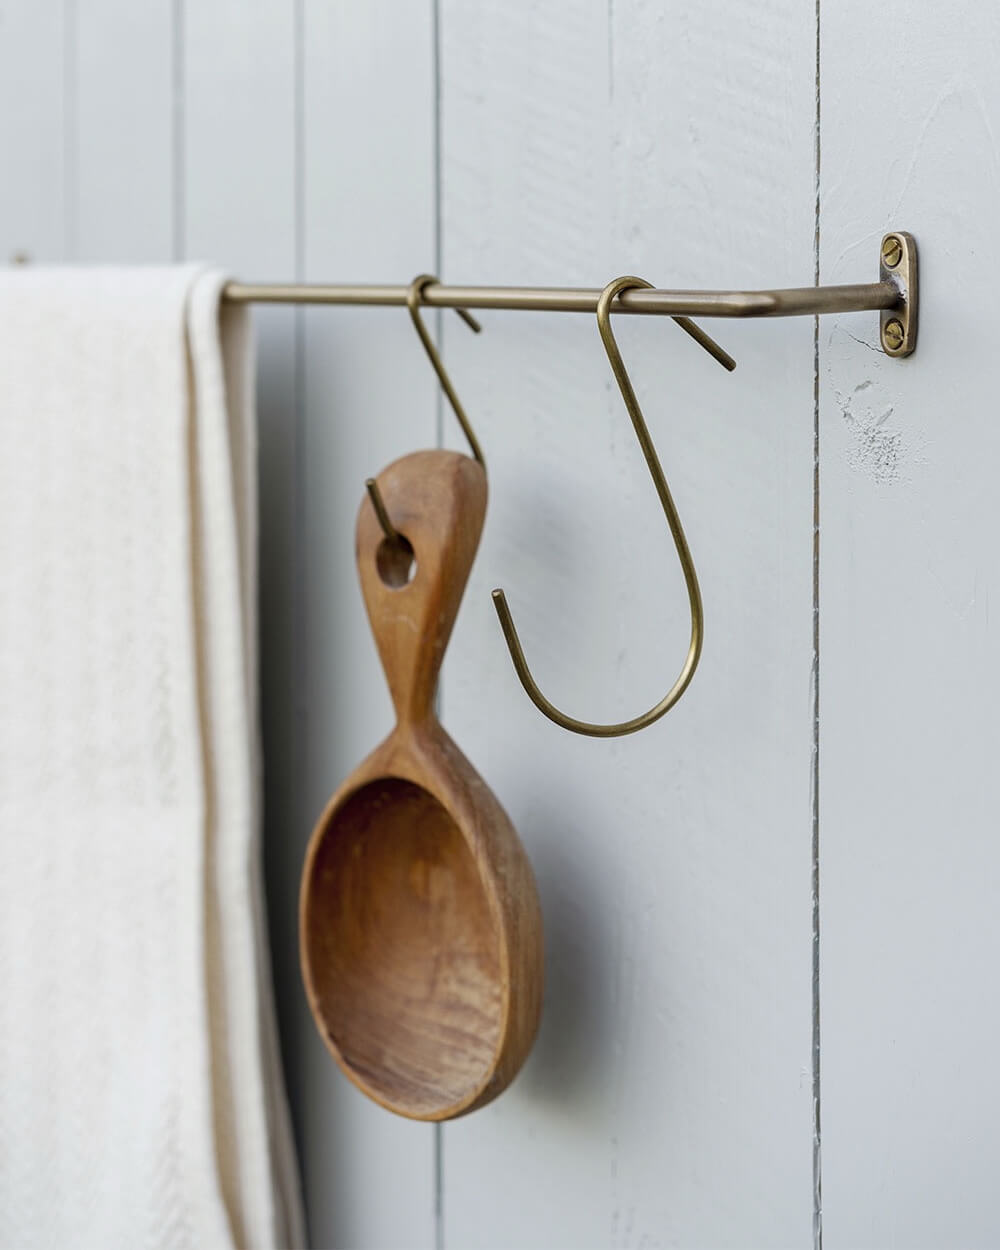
{"points": [[420, 930]]}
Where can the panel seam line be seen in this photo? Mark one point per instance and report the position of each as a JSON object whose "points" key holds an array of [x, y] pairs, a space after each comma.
{"points": [[817, 1158], [177, 153], [70, 137], [438, 244]]}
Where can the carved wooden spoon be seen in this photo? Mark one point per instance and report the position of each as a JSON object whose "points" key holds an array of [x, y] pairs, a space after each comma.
{"points": [[420, 930]]}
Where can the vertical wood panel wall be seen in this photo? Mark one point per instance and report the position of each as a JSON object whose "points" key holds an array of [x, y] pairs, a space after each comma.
{"points": [[910, 732], [676, 1096], [674, 865]]}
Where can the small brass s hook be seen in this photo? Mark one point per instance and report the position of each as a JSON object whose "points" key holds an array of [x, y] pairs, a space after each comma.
{"points": [[414, 298], [413, 302], [608, 295]]}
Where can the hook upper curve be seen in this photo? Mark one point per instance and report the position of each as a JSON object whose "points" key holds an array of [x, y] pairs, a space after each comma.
{"points": [[414, 299], [544, 705]]}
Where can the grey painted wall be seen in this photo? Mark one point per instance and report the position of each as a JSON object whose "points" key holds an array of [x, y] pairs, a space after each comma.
{"points": [[670, 1100]]}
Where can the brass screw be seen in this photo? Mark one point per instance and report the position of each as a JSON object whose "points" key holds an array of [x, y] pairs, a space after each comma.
{"points": [[20, 258], [892, 334], [892, 251]]}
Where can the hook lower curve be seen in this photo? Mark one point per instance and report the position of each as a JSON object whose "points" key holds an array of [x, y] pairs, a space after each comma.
{"points": [[414, 299], [544, 705]]}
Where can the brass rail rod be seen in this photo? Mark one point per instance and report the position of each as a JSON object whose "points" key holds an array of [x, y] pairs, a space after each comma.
{"points": [[795, 302]]}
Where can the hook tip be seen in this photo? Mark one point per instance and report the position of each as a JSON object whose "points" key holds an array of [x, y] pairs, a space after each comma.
{"points": [[469, 320], [707, 342], [509, 631], [381, 512], [506, 620]]}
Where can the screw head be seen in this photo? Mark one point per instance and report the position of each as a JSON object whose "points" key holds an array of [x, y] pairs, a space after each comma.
{"points": [[893, 334], [892, 251]]}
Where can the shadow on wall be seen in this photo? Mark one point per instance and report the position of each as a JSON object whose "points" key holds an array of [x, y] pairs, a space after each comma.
{"points": [[571, 1064]]}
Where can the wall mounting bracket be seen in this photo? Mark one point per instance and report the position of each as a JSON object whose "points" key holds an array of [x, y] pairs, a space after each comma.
{"points": [[898, 265]]}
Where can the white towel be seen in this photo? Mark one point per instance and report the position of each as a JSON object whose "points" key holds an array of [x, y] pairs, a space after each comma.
{"points": [[141, 1101]]}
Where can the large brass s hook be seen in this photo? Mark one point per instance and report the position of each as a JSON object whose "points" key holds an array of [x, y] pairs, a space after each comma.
{"points": [[608, 295]]}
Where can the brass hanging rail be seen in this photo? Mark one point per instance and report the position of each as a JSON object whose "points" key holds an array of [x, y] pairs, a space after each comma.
{"points": [[894, 296], [796, 302]]}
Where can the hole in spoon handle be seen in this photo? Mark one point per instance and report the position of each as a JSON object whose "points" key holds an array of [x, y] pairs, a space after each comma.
{"points": [[413, 583]]}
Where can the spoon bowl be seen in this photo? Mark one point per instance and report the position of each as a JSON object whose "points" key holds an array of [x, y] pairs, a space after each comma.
{"points": [[408, 965]]}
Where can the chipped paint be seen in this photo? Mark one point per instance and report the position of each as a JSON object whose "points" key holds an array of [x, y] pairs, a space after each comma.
{"points": [[878, 449]]}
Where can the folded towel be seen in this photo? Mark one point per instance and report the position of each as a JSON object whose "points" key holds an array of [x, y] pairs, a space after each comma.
{"points": [[141, 1101]]}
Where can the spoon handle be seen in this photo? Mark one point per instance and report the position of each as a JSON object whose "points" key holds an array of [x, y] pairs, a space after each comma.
{"points": [[413, 582]]}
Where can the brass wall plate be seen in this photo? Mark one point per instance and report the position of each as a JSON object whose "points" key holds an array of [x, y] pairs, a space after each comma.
{"points": [[898, 265]]}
